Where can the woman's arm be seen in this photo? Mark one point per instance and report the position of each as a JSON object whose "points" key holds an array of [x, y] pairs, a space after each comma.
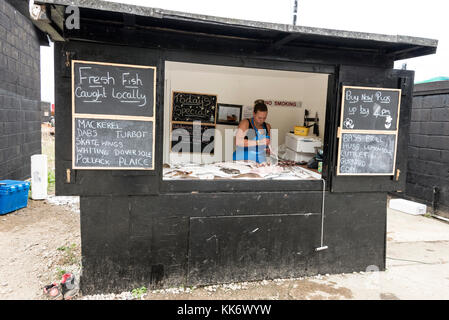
{"points": [[242, 131]]}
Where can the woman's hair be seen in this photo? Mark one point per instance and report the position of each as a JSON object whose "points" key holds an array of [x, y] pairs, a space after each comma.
{"points": [[259, 105]]}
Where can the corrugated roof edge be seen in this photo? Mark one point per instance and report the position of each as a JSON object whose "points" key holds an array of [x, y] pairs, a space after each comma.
{"points": [[162, 13]]}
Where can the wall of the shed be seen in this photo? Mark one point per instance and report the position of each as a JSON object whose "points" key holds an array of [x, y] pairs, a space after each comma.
{"points": [[137, 230], [185, 239], [20, 110]]}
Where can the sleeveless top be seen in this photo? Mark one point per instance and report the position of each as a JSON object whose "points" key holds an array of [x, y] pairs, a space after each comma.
{"points": [[256, 153]]}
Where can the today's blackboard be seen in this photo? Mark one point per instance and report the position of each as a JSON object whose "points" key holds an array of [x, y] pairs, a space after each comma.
{"points": [[113, 89], [113, 144], [190, 107], [366, 108], [195, 138], [367, 154]]}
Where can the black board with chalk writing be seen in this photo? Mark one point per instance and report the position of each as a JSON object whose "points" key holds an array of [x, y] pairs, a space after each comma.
{"points": [[190, 107], [187, 138], [113, 144], [370, 108], [367, 153], [113, 89]]}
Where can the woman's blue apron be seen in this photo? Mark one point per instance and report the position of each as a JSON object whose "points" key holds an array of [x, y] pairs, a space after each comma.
{"points": [[256, 153]]}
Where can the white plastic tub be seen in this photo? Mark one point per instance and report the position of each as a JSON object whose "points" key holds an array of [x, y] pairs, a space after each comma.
{"points": [[301, 143], [407, 206], [39, 177]]}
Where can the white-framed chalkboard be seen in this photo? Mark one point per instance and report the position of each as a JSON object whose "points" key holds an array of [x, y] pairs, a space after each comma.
{"points": [[367, 108], [113, 116], [362, 153], [113, 144], [113, 89], [368, 131]]}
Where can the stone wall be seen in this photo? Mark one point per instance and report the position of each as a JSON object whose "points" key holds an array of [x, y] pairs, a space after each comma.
{"points": [[20, 110], [428, 156]]}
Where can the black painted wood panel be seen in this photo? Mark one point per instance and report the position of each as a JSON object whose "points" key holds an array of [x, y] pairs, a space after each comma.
{"points": [[386, 78], [244, 248], [225, 204], [96, 182]]}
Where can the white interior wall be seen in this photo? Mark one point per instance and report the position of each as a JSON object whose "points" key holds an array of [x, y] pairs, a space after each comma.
{"points": [[242, 86]]}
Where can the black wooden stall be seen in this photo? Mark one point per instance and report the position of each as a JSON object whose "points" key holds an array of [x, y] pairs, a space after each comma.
{"points": [[137, 229]]}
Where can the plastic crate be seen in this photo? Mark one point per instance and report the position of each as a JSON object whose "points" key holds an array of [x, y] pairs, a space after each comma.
{"points": [[13, 195]]}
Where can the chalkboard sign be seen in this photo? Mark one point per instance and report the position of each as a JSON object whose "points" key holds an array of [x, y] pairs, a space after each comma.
{"points": [[364, 153], [113, 89], [187, 138], [189, 107], [370, 108], [113, 144]]}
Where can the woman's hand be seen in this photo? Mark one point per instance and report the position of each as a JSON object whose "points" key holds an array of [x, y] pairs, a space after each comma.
{"points": [[263, 142]]}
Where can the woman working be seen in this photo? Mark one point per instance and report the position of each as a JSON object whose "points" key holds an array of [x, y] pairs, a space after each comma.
{"points": [[253, 136]]}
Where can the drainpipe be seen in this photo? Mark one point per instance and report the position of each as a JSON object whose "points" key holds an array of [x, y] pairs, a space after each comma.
{"points": [[435, 194]]}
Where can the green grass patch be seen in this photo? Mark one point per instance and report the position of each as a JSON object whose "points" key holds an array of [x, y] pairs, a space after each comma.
{"points": [[60, 272], [71, 254], [139, 292], [51, 178]]}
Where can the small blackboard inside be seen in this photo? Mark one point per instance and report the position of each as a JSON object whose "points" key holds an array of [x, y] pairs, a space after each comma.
{"points": [[190, 107], [367, 154], [370, 108], [113, 144], [187, 138], [113, 89]]}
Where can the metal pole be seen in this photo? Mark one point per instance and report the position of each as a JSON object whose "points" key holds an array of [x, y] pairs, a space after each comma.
{"points": [[322, 247], [295, 11]]}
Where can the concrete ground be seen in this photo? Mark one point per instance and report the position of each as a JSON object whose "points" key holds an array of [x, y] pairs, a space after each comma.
{"points": [[417, 269], [417, 262]]}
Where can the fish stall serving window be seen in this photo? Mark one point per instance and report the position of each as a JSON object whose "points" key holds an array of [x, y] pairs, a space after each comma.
{"points": [[210, 121]]}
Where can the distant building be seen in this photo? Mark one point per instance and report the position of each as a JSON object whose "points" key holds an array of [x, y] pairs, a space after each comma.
{"points": [[20, 109]]}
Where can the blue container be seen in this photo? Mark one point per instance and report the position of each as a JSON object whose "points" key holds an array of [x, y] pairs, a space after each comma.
{"points": [[13, 195]]}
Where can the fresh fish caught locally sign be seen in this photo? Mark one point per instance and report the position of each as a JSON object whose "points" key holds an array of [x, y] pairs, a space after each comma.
{"points": [[100, 88]]}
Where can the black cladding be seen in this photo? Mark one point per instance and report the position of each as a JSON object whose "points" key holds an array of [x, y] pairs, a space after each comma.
{"points": [[149, 236]]}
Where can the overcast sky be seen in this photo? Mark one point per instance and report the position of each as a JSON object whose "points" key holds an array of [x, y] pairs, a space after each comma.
{"points": [[427, 19]]}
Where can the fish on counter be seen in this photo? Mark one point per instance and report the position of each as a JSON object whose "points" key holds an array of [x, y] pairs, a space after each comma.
{"points": [[284, 170], [230, 171]]}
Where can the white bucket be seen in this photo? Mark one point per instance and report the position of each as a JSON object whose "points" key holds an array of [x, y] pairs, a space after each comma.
{"points": [[39, 177]]}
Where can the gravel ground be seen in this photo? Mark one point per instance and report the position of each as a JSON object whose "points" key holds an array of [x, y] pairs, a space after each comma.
{"points": [[42, 241], [39, 244]]}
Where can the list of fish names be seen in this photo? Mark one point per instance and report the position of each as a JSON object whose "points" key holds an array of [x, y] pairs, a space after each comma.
{"points": [[367, 153], [106, 143]]}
